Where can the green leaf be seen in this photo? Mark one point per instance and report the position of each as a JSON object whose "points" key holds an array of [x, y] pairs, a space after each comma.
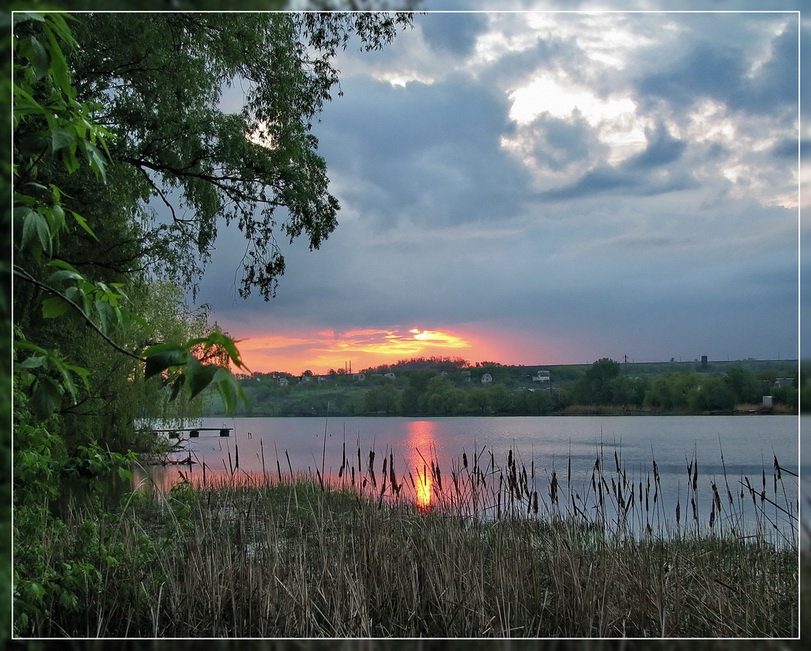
{"points": [[59, 65], [60, 26], [83, 373], [35, 361], [69, 160], [176, 386], [24, 102], [163, 356], [39, 57], [199, 375], [217, 338], [84, 225], [107, 316], [130, 318], [61, 138], [67, 381], [75, 295], [25, 16], [64, 274], [96, 159], [229, 389], [36, 234], [54, 307], [62, 264], [47, 397]]}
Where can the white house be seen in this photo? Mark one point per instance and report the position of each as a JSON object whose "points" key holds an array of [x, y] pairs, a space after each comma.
{"points": [[542, 377]]}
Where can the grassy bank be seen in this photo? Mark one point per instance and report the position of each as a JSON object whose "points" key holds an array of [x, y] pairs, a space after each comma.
{"points": [[294, 557]]}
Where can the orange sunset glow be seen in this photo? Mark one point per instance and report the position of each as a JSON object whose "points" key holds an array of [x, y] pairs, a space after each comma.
{"points": [[421, 446], [321, 351]]}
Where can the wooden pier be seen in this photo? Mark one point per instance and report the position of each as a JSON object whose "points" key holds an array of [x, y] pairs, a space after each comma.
{"points": [[194, 432]]}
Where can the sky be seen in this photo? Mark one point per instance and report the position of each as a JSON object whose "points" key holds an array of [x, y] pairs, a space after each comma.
{"points": [[539, 187]]}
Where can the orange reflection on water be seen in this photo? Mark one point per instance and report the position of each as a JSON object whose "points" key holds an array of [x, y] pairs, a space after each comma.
{"points": [[421, 445]]}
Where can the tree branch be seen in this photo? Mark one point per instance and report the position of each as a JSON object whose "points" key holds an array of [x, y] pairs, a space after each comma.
{"points": [[19, 272]]}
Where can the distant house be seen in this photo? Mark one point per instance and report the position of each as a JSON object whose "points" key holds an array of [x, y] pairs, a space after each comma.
{"points": [[466, 375], [359, 376], [784, 382], [390, 376], [487, 379], [283, 381], [542, 377]]}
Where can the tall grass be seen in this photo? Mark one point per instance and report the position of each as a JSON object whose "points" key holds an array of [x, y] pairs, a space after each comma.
{"points": [[498, 551]]}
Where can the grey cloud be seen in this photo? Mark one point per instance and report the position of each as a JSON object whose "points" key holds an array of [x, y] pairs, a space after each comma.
{"points": [[599, 180], [787, 148], [454, 33], [625, 178], [547, 53], [713, 61], [427, 152], [559, 142], [662, 149], [775, 85], [705, 71]]}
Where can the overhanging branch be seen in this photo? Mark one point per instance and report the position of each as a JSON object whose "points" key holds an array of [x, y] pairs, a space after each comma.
{"points": [[19, 272]]}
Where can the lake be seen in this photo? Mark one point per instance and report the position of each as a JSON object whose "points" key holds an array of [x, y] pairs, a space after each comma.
{"points": [[697, 460]]}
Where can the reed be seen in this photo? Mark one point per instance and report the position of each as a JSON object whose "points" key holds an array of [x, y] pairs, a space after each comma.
{"points": [[500, 550]]}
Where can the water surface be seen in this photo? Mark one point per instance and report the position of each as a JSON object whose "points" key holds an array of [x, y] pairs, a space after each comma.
{"points": [[736, 454]]}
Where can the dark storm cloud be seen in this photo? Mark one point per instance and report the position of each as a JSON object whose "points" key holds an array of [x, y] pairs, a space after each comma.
{"points": [[719, 70], [597, 181], [662, 149], [559, 142], [429, 152], [454, 33], [705, 71], [634, 176], [775, 84], [548, 51], [787, 148]]}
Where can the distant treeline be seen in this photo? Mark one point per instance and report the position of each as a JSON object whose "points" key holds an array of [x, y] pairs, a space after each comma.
{"points": [[440, 386]]}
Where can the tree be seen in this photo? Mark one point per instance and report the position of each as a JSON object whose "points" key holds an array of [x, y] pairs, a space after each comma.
{"points": [[381, 399], [160, 78], [672, 391], [102, 126], [744, 385], [595, 387], [713, 393], [499, 399]]}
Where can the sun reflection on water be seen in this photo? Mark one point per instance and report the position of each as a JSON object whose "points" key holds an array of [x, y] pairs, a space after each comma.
{"points": [[421, 444]]}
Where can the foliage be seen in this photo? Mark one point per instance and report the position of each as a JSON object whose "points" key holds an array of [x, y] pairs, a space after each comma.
{"points": [[428, 390], [161, 79], [112, 112], [595, 387]]}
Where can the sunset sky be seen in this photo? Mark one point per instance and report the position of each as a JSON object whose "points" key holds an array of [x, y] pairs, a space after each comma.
{"points": [[544, 188]]}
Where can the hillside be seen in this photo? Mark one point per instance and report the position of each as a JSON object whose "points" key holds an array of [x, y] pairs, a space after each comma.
{"points": [[444, 387]]}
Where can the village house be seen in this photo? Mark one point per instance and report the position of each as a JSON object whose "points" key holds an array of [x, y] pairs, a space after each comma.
{"points": [[542, 378]]}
